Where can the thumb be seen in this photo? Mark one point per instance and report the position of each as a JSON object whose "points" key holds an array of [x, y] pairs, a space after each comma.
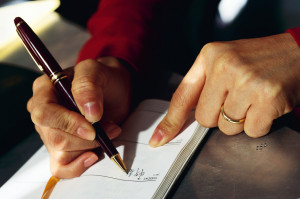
{"points": [[87, 89], [183, 101]]}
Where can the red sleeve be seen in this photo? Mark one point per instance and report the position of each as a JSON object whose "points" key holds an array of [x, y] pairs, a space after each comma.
{"points": [[120, 28], [295, 32]]}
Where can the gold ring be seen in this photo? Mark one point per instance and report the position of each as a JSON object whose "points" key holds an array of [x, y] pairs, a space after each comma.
{"points": [[229, 119]]}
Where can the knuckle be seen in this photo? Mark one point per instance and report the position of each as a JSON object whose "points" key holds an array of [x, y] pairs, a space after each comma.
{"points": [[267, 93], [207, 51], [272, 92], [83, 84], [269, 90], [38, 115], [246, 78], [29, 105], [38, 82], [68, 122], [227, 62], [210, 48], [178, 98], [170, 127], [62, 159], [57, 141]]}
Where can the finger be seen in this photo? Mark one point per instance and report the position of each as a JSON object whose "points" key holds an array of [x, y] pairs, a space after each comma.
{"points": [[62, 141], [211, 99], [41, 81], [86, 88], [43, 91], [235, 107], [111, 129], [64, 157], [61, 157], [74, 168], [259, 120], [218, 82], [29, 105], [57, 140], [182, 102], [55, 116]]}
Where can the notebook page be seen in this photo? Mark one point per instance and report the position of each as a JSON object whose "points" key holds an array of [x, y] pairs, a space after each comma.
{"points": [[30, 180], [147, 167]]}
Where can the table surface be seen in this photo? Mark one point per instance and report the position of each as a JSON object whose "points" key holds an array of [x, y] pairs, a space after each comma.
{"points": [[223, 167]]}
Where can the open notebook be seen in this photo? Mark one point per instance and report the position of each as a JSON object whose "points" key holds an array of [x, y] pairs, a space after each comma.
{"points": [[151, 171]]}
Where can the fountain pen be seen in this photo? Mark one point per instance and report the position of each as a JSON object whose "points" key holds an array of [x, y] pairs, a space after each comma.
{"points": [[47, 64]]}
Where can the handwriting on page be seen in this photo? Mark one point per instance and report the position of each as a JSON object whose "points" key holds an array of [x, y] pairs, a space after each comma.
{"points": [[134, 175], [140, 174]]}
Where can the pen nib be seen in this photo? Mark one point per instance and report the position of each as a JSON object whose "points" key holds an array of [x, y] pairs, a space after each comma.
{"points": [[118, 160]]}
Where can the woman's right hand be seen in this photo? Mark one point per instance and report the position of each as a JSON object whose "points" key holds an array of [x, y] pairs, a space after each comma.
{"points": [[102, 90]]}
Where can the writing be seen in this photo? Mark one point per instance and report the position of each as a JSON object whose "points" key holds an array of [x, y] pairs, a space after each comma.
{"points": [[141, 175]]}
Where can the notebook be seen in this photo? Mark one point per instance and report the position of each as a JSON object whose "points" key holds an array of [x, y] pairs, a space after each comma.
{"points": [[151, 171]]}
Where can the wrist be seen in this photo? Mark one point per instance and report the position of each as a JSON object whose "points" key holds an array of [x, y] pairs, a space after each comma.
{"points": [[116, 64], [122, 74]]}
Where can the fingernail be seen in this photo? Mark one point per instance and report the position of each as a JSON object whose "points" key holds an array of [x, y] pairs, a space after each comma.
{"points": [[156, 138], [85, 134], [90, 160], [91, 110], [112, 129]]}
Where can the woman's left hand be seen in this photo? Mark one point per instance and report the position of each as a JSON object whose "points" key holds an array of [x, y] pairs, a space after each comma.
{"points": [[254, 80]]}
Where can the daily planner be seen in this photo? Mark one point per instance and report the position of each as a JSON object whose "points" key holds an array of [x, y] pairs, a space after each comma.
{"points": [[151, 171]]}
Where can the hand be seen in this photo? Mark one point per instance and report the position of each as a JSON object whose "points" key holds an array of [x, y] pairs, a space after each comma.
{"points": [[101, 90], [256, 79]]}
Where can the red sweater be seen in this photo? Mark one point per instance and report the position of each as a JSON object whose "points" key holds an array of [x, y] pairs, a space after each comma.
{"points": [[120, 28]]}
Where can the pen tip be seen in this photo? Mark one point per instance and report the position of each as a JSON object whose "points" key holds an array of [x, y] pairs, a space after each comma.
{"points": [[118, 160]]}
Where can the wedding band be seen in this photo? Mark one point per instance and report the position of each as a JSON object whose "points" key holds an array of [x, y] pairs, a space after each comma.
{"points": [[229, 119]]}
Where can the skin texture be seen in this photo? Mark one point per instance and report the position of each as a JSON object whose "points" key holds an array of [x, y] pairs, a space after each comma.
{"points": [[68, 136], [256, 79]]}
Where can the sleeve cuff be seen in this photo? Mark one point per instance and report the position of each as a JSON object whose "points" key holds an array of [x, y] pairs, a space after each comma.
{"points": [[295, 32]]}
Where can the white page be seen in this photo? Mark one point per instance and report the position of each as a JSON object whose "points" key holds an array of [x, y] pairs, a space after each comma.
{"points": [[104, 179], [30, 180], [147, 166]]}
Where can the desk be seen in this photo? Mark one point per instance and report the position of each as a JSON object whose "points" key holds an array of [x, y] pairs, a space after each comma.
{"points": [[243, 167], [223, 167]]}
